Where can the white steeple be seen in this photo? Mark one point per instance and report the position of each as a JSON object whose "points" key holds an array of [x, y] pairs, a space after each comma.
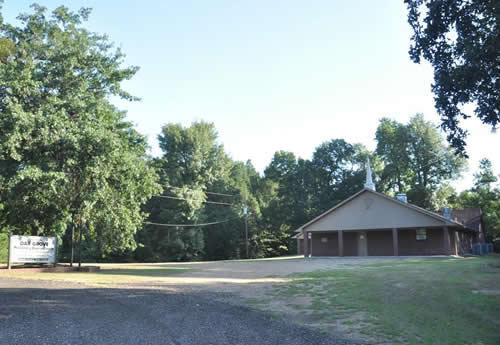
{"points": [[369, 181]]}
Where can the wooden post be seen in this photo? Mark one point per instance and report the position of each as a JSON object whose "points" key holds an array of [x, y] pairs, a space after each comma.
{"points": [[395, 244], [56, 250], [72, 240], [455, 240], [306, 243], [310, 244], [8, 252], [446, 241], [341, 242]]}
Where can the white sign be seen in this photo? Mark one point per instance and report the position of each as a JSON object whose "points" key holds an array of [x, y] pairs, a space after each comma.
{"points": [[33, 249]]}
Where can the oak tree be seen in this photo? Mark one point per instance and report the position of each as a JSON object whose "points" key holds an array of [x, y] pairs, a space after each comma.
{"points": [[461, 40], [68, 157]]}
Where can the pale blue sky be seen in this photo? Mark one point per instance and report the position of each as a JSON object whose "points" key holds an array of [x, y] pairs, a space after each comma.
{"points": [[272, 75]]}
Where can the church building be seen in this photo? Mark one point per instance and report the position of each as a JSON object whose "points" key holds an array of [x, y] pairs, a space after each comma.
{"points": [[370, 223]]}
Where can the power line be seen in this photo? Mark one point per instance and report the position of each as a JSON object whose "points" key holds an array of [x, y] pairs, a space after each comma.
{"points": [[206, 202], [212, 193], [191, 225]]}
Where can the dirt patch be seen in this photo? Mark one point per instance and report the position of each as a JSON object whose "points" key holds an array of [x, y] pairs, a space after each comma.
{"points": [[299, 309], [353, 325], [272, 268]]}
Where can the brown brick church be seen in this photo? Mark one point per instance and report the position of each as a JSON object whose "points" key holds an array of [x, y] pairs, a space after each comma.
{"points": [[374, 224]]}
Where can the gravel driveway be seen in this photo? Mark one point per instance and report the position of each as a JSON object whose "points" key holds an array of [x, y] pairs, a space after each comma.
{"points": [[41, 312], [200, 306], [250, 278]]}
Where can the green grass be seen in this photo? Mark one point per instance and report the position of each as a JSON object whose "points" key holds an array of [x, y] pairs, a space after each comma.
{"points": [[426, 301], [109, 274]]}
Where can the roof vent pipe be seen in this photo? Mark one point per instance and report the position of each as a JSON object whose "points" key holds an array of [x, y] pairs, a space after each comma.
{"points": [[402, 197]]}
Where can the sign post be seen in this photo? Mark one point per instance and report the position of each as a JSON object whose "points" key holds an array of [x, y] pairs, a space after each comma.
{"points": [[8, 251]]}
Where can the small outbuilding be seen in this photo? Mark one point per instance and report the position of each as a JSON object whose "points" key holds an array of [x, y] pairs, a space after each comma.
{"points": [[370, 223]]}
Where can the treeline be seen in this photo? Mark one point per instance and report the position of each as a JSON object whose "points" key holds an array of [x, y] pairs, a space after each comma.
{"points": [[71, 165], [199, 179]]}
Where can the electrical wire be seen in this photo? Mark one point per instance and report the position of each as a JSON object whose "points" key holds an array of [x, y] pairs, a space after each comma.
{"points": [[191, 225], [206, 202], [212, 193]]}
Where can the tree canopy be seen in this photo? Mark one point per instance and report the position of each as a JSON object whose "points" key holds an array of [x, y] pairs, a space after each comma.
{"points": [[416, 160], [485, 194], [191, 161], [461, 40], [202, 185], [67, 155]]}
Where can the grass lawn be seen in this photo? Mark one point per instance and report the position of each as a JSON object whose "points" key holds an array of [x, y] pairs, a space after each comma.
{"points": [[109, 274], [428, 301]]}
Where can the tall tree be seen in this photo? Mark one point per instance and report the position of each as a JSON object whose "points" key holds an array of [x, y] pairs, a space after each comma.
{"points": [[485, 194], [292, 204], [461, 40], [67, 156], [392, 148], [485, 177], [282, 164], [229, 239], [192, 160], [302, 189], [416, 160], [339, 171]]}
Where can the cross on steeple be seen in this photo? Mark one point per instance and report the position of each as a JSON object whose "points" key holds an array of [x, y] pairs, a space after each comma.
{"points": [[369, 181]]}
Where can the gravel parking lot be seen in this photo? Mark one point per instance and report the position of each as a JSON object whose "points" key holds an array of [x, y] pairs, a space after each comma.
{"points": [[201, 306], [40, 312], [275, 267], [236, 276]]}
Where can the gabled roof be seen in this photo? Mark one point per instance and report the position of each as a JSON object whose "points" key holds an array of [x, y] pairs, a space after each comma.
{"points": [[407, 205], [470, 217]]}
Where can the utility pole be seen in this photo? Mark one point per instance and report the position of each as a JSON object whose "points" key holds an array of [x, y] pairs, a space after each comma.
{"points": [[245, 212], [80, 229]]}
